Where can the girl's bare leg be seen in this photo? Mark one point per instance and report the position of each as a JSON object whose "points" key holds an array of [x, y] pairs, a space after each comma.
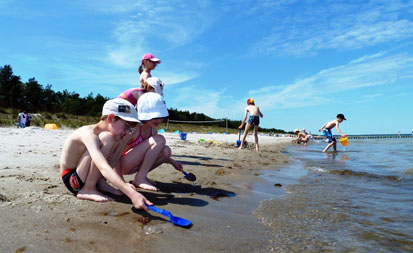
{"points": [[144, 156]]}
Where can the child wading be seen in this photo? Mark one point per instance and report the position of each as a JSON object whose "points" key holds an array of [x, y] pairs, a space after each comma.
{"points": [[254, 119], [326, 128]]}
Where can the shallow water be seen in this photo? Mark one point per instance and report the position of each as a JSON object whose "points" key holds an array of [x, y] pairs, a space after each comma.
{"points": [[356, 200]]}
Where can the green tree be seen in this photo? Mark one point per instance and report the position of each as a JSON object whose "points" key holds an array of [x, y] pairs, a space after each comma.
{"points": [[34, 95], [11, 88]]}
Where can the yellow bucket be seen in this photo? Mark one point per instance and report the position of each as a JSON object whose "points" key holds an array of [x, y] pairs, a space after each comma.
{"points": [[50, 126], [343, 141]]}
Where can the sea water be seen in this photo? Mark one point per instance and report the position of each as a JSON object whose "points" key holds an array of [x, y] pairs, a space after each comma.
{"points": [[357, 200]]}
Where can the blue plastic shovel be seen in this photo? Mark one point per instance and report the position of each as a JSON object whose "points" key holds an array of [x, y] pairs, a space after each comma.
{"points": [[239, 139], [175, 220], [189, 176]]}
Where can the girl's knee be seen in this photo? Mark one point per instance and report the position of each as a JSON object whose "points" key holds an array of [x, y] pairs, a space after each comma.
{"points": [[158, 140], [166, 152]]}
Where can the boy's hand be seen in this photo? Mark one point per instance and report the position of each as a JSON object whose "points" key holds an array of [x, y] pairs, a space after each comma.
{"points": [[240, 127], [139, 201], [320, 129], [343, 135]]}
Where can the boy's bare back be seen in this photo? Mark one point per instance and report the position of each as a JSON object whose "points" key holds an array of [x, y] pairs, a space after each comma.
{"points": [[75, 146], [331, 124], [254, 110]]}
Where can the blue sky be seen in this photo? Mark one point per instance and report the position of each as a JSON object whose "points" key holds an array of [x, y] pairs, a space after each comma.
{"points": [[302, 61]]}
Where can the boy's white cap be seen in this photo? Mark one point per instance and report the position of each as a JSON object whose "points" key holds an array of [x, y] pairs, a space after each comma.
{"points": [[121, 108], [157, 84], [151, 106]]}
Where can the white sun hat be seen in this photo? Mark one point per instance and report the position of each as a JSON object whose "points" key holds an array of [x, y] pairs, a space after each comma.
{"points": [[157, 84], [151, 105]]}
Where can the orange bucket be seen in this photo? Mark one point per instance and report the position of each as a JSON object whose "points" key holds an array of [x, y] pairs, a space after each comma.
{"points": [[344, 141]]}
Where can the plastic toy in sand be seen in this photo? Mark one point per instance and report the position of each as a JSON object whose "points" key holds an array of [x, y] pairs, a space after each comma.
{"points": [[176, 132], [52, 126], [161, 131], [183, 136], [239, 138]]}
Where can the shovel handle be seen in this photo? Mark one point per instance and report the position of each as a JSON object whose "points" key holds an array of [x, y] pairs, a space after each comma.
{"points": [[160, 211]]}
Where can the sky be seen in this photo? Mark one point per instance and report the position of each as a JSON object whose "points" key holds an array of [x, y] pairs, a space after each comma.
{"points": [[303, 61]]}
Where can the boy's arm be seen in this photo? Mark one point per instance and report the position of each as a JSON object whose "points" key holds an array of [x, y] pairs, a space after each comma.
{"points": [[93, 146], [243, 120], [338, 130], [260, 112], [322, 127]]}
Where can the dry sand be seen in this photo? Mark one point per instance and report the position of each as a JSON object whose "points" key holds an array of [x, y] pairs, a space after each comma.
{"points": [[38, 214]]}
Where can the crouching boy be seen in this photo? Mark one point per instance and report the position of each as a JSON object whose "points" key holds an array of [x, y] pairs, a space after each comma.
{"points": [[84, 161]]}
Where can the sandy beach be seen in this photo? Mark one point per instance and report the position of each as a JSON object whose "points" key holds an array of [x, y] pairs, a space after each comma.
{"points": [[38, 214]]}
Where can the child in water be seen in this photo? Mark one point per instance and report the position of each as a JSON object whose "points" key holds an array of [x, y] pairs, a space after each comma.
{"points": [[254, 119], [326, 128]]}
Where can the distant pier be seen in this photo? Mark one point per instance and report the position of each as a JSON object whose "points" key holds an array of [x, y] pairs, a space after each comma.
{"points": [[372, 136], [379, 136]]}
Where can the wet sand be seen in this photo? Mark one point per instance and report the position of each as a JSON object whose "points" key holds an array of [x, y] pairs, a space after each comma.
{"points": [[38, 214]]}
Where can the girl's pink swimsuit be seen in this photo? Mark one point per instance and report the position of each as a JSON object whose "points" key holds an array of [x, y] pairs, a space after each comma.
{"points": [[128, 95]]}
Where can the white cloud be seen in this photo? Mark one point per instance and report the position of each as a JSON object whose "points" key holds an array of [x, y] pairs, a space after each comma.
{"points": [[308, 28], [157, 24], [365, 72], [173, 78], [194, 99]]}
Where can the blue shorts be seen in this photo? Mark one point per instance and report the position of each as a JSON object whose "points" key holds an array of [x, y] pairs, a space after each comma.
{"points": [[254, 120], [327, 133]]}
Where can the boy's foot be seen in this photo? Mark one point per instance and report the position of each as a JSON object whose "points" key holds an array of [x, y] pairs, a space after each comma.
{"points": [[146, 185], [93, 195]]}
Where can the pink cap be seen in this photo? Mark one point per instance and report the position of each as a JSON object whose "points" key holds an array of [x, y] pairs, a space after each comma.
{"points": [[149, 56]]}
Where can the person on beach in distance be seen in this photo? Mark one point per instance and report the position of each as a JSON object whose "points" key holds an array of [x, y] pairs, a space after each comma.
{"points": [[326, 128], [148, 63], [21, 121], [27, 119], [151, 111], [86, 154], [302, 137], [254, 119]]}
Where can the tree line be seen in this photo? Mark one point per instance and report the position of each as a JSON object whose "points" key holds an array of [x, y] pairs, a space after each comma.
{"points": [[31, 96]]}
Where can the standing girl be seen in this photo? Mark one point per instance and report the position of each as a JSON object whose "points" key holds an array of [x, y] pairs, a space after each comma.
{"points": [[148, 63]]}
